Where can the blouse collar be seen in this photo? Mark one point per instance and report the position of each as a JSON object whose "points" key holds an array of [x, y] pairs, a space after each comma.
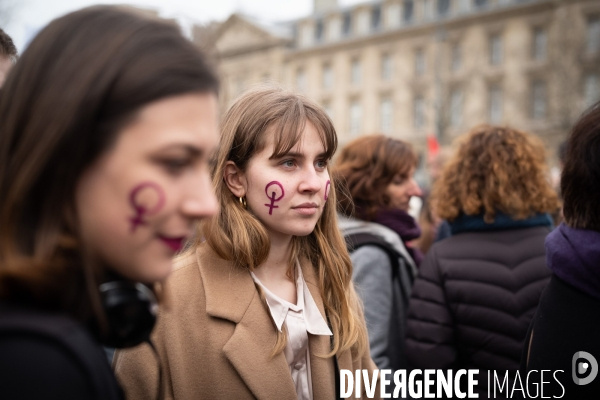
{"points": [[279, 308]]}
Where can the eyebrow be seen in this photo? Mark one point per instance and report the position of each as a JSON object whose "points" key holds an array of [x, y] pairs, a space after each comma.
{"points": [[298, 155], [191, 150]]}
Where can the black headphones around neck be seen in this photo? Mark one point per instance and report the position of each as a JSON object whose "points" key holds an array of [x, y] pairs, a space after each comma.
{"points": [[130, 310]]}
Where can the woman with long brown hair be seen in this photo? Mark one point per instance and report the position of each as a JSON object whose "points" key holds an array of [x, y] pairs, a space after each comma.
{"points": [[107, 122], [377, 172], [264, 307], [478, 290]]}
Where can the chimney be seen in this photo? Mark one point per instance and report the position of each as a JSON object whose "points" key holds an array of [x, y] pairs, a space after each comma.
{"points": [[322, 6]]}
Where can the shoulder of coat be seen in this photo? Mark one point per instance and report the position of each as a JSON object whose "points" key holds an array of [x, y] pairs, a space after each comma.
{"points": [[185, 259]]}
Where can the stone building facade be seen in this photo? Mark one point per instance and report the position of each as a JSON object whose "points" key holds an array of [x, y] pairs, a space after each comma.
{"points": [[413, 68]]}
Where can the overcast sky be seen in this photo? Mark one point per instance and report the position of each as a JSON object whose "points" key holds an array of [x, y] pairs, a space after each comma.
{"points": [[26, 17]]}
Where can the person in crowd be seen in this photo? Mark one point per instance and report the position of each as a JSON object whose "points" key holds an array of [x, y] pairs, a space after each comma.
{"points": [[377, 173], [477, 290], [432, 226], [107, 124], [8, 55], [264, 307], [567, 322]]}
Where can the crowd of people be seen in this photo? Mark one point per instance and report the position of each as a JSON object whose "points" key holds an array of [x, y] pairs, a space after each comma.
{"points": [[241, 257]]}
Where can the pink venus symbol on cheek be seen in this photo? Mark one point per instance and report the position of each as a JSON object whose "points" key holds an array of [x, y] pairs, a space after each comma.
{"points": [[327, 185], [276, 189], [143, 210]]}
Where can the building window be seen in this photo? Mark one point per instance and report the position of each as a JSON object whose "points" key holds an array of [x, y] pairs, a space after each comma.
{"points": [[392, 15], [420, 62], [386, 67], [327, 76], [407, 15], [591, 89], [419, 112], [319, 30], [334, 29], [355, 72], [593, 35], [347, 24], [463, 6], [495, 104], [456, 106], [355, 117], [306, 34], [443, 6], [538, 100], [386, 115], [496, 50], [427, 9], [376, 17], [540, 42], [481, 3], [300, 80], [455, 61], [362, 22]]}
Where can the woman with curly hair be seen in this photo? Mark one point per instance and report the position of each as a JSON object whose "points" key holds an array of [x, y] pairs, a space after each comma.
{"points": [[478, 290]]}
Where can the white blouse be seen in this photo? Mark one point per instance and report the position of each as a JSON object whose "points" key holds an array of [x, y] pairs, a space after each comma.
{"points": [[300, 319]]}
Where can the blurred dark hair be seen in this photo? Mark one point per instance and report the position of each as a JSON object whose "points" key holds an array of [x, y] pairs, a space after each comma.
{"points": [[7, 47], [80, 81], [580, 180], [365, 168]]}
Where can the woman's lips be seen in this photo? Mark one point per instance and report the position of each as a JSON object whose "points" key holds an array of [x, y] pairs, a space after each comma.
{"points": [[174, 244], [307, 208]]}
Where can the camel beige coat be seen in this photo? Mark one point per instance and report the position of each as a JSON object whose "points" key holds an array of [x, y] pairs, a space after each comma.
{"points": [[216, 338]]}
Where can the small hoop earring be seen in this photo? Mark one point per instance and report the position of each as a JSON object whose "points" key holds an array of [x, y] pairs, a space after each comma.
{"points": [[243, 202]]}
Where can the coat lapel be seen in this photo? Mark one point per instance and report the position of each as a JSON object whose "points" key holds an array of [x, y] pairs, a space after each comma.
{"points": [[231, 295], [322, 369]]}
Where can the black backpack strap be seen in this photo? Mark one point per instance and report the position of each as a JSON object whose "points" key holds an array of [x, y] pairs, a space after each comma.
{"points": [[356, 240], [68, 335]]}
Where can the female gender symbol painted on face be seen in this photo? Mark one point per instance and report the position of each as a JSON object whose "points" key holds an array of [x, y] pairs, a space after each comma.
{"points": [[327, 186], [153, 194], [275, 188]]}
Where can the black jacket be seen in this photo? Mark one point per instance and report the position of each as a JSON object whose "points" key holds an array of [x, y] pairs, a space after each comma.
{"points": [[50, 356], [567, 321], [474, 298]]}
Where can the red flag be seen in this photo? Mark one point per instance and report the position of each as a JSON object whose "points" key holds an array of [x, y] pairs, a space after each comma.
{"points": [[433, 146]]}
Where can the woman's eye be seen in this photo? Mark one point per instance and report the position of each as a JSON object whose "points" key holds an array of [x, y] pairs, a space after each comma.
{"points": [[322, 164], [175, 166], [288, 163]]}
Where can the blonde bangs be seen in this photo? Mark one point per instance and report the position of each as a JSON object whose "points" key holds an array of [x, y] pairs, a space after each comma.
{"points": [[289, 129]]}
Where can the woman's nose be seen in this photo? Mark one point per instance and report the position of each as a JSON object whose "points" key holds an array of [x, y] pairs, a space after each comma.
{"points": [[201, 201]]}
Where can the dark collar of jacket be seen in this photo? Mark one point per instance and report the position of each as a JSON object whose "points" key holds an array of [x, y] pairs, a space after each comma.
{"points": [[231, 294], [475, 223]]}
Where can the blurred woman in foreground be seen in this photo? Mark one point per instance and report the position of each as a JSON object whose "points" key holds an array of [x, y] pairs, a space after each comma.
{"points": [[477, 291], [567, 322], [106, 126]]}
